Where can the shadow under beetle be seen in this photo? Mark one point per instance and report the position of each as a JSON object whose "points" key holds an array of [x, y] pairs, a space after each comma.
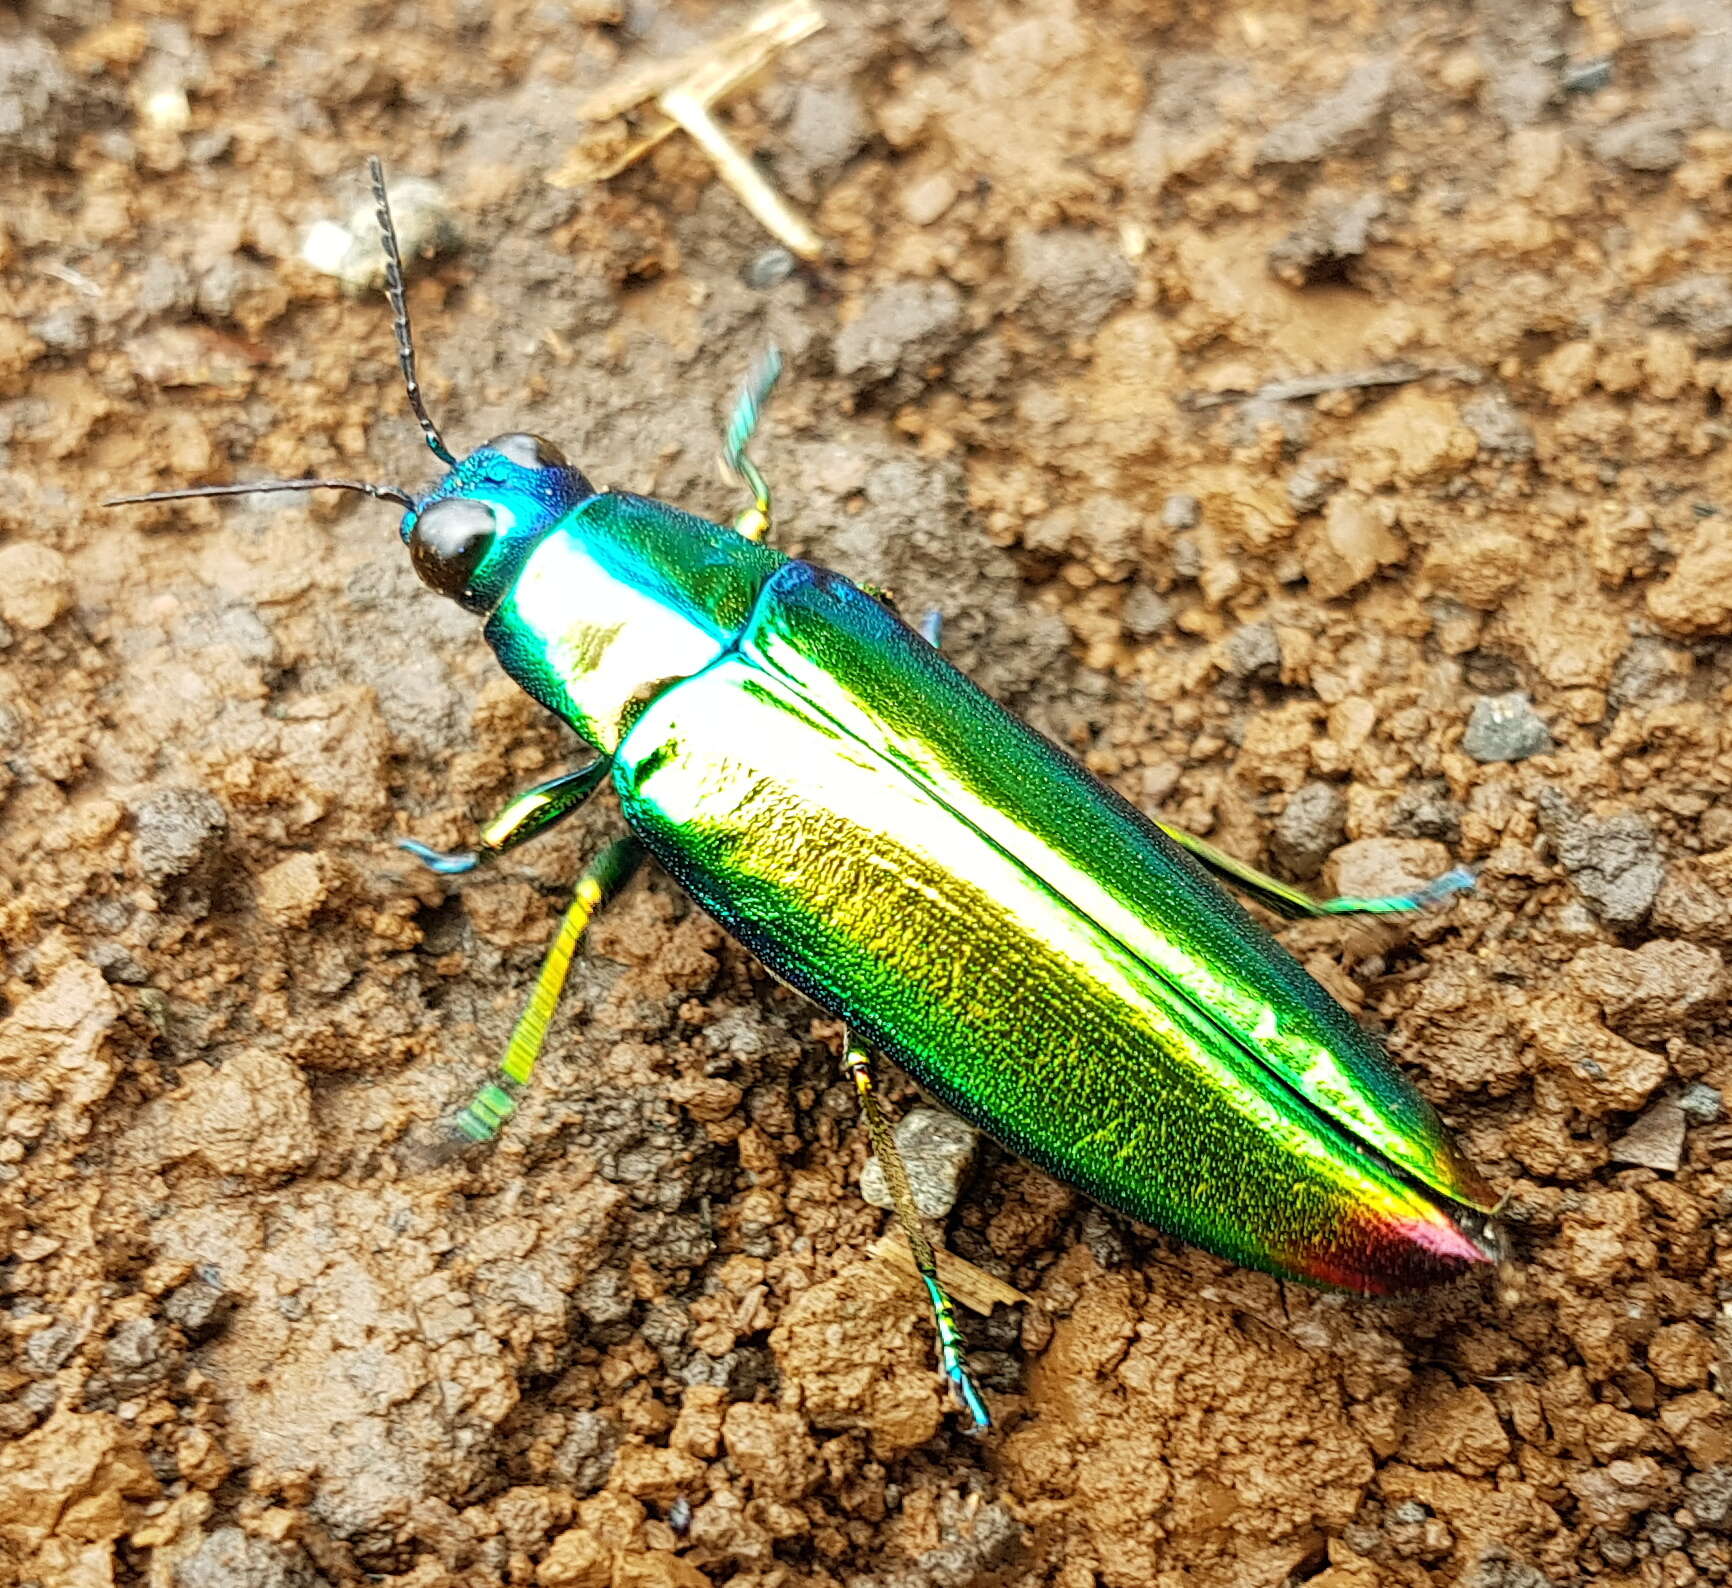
{"points": [[1036, 953]]}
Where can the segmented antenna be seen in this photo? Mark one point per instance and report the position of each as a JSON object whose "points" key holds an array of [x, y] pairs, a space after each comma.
{"points": [[381, 493], [400, 314]]}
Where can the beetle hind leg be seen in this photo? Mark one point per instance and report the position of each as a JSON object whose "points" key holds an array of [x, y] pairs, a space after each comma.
{"points": [[952, 1348], [1294, 904], [602, 881], [755, 522]]}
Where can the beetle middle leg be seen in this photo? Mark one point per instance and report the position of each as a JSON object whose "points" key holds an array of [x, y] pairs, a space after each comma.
{"points": [[1294, 904], [755, 522], [952, 1348], [525, 816], [602, 881]]}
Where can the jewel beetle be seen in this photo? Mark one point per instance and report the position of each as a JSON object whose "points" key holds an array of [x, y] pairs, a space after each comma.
{"points": [[1055, 967]]}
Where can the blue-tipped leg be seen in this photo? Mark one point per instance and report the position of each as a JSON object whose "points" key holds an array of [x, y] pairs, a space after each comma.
{"points": [[448, 863]]}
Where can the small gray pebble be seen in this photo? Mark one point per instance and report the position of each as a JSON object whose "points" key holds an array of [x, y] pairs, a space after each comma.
{"points": [[229, 1558], [1505, 728], [1700, 1103], [1181, 512], [585, 1456], [938, 1150], [176, 829], [50, 1348], [1312, 825], [1146, 613], [200, 1307], [1252, 652], [1499, 428], [770, 269]]}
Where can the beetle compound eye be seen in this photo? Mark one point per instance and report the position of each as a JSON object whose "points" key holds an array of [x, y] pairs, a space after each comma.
{"points": [[448, 542], [527, 451]]}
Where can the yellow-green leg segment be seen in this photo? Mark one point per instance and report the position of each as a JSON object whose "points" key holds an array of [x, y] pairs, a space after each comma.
{"points": [[526, 816], [600, 883], [952, 1349]]}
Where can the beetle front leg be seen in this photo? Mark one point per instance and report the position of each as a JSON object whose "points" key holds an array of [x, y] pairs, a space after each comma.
{"points": [[952, 1348], [524, 817], [1294, 904], [601, 883], [755, 522]]}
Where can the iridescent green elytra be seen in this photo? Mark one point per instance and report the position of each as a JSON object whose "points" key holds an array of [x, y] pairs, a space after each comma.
{"points": [[1034, 951]]}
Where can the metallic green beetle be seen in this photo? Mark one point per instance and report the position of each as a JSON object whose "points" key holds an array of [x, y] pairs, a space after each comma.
{"points": [[1035, 952]]}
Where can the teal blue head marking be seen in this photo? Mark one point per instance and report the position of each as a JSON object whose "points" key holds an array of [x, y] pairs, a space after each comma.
{"points": [[468, 536]]}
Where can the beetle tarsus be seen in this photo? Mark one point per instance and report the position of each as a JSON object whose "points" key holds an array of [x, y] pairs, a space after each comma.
{"points": [[952, 1348], [1460, 880], [755, 522], [447, 862]]}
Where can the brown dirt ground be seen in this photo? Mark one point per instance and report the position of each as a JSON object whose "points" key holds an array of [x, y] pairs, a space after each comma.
{"points": [[256, 1334]]}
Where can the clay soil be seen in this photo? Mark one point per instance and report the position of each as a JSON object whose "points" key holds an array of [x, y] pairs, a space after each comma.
{"points": [[1311, 414]]}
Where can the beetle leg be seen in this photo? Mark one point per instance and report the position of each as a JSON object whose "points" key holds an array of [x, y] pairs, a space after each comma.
{"points": [[755, 522], [932, 629], [1294, 903], [524, 817], [952, 1349], [602, 881]]}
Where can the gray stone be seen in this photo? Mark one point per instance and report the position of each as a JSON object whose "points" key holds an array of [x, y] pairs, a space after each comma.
{"points": [[1312, 483], [50, 1348], [1614, 863], [1709, 1496], [1146, 612], [605, 1296], [1309, 829], [1505, 728], [1068, 281], [1252, 652], [1700, 1102], [38, 98], [176, 829], [1699, 305], [200, 1307], [133, 1356], [1179, 511], [1656, 1140], [938, 1150], [1493, 1566], [1499, 428], [828, 128], [584, 1457], [1426, 812], [1519, 43], [1650, 673], [1335, 124], [229, 1558], [990, 1541]]}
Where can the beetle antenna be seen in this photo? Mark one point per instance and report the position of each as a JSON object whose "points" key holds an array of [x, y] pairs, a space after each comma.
{"points": [[380, 493], [400, 314]]}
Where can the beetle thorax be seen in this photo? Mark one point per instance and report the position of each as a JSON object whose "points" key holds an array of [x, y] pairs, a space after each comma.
{"points": [[590, 642]]}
